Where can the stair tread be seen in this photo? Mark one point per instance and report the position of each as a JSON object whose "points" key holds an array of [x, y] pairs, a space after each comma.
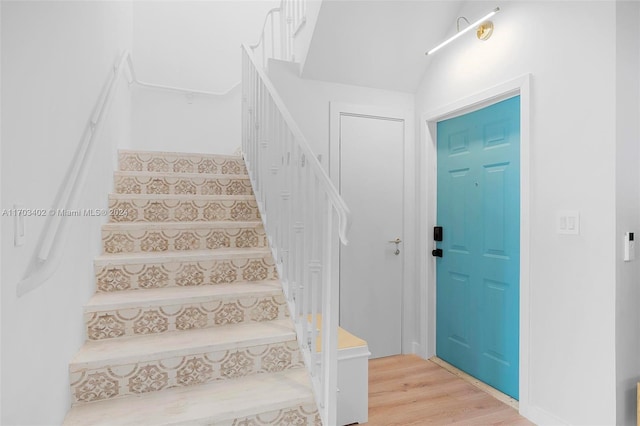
{"points": [[181, 197], [104, 301], [180, 154], [179, 256], [154, 226], [174, 175], [204, 404], [97, 353]]}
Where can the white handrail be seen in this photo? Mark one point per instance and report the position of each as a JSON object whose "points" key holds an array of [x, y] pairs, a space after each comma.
{"points": [[263, 40], [292, 18], [305, 219], [48, 253], [186, 90], [173, 88], [264, 27]]}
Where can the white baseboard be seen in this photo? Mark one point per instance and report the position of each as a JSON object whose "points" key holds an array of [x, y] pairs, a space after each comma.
{"points": [[417, 349], [540, 417]]}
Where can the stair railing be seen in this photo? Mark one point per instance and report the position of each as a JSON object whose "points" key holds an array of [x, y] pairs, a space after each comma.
{"points": [[49, 248], [305, 220], [48, 252], [187, 91], [267, 41], [279, 29]]}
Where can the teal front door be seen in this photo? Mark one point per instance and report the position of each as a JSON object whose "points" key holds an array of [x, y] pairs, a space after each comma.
{"points": [[478, 275]]}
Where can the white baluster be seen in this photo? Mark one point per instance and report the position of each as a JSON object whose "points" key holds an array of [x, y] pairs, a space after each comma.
{"points": [[309, 250], [286, 217], [319, 239], [299, 230], [280, 190], [314, 270], [293, 248], [304, 249], [330, 323]]}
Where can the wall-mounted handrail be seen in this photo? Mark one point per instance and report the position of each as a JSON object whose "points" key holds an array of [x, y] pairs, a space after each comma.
{"points": [[305, 220], [186, 90], [48, 253]]}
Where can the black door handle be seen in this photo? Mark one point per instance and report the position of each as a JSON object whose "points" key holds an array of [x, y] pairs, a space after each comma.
{"points": [[437, 253]]}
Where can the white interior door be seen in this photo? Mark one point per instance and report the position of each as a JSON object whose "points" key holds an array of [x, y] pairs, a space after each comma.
{"points": [[371, 153]]}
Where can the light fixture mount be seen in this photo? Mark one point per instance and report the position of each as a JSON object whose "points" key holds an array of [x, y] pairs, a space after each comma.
{"points": [[484, 29]]}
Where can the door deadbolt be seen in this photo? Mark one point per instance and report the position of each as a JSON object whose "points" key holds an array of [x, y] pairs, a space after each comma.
{"points": [[437, 233], [437, 236]]}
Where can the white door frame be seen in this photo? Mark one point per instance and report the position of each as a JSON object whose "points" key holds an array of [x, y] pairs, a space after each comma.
{"points": [[428, 205], [409, 293]]}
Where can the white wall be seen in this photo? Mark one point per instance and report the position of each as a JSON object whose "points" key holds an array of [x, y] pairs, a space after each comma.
{"points": [[308, 101], [627, 206], [196, 45], [170, 121], [56, 58], [302, 40], [379, 43], [572, 377]]}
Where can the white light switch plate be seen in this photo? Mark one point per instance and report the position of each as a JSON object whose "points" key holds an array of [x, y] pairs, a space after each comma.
{"points": [[568, 222], [629, 247]]}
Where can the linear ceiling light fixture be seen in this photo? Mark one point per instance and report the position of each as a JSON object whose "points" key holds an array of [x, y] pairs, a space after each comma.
{"points": [[484, 29]]}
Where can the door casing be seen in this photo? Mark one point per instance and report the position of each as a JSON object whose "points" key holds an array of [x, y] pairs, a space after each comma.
{"points": [[409, 293], [427, 216]]}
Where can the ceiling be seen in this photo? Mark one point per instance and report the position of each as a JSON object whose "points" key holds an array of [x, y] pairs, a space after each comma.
{"points": [[377, 43]]}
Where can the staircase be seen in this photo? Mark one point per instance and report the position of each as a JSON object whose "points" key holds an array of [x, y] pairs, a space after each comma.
{"points": [[189, 324]]}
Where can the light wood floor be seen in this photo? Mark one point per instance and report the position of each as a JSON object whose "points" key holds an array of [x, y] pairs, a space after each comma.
{"points": [[407, 390]]}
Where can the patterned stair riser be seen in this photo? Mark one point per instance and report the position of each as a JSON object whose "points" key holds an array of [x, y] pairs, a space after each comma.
{"points": [[93, 384], [114, 277], [143, 344], [182, 186], [132, 241], [301, 415], [142, 210], [161, 319], [165, 163]]}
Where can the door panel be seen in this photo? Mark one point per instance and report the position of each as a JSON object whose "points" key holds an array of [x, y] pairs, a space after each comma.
{"points": [[477, 292], [493, 204], [371, 183]]}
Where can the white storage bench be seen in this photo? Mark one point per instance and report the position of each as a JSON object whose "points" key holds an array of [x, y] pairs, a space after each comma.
{"points": [[353, 377]]}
